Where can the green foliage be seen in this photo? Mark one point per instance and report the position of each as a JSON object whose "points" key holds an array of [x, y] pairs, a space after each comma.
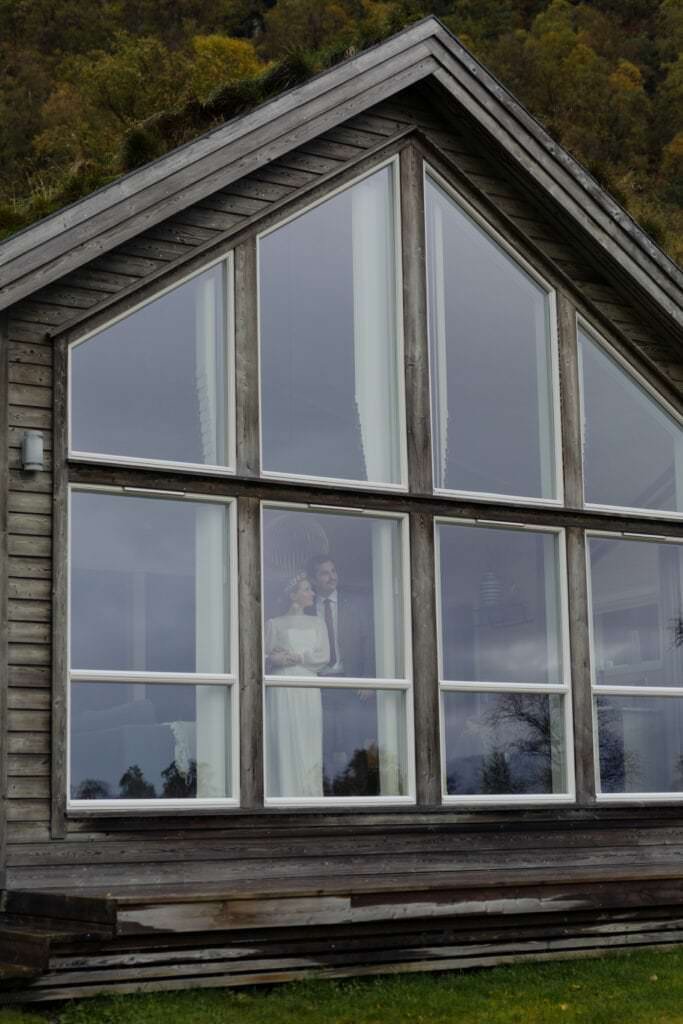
{"points": [[111, 84], [219, 60], [141, 144]]}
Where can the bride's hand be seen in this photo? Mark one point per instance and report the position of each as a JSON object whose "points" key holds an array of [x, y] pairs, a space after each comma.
{"points": [[280, 658]]}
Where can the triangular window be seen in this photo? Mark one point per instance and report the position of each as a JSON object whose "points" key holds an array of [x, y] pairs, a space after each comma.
{"points": [[152, 387], [632, 446], [492, 360]]}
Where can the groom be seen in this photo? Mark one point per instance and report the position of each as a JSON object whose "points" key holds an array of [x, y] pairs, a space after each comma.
{"points": [[347, 627], [347, 714]]}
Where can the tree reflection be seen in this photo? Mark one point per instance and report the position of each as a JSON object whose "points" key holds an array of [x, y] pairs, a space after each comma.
{"points": [[360, 777], [93, 789], [534, 730], [134, 786], [179, 785]]}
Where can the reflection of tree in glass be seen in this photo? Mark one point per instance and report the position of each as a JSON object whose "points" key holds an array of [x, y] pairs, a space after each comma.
{"points": [[359, 778], [177, 784], [540, 740], [93, 789], [676, 628], [617, 765], [496, 776], [134, 785]]}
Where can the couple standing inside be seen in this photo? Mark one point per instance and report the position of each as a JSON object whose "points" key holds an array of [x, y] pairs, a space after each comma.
{"points": [[322, 633]]}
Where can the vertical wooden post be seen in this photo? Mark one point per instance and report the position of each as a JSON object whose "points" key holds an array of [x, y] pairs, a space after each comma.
{"points": [[250, 659], [60, 667], [570, 402], [426, 678], [246, 361], [418, 417], [4, 638], [582, 697], [418, 422]]}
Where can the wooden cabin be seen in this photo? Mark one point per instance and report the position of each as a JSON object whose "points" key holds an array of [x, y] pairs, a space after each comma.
{"points": [[342, 520]]}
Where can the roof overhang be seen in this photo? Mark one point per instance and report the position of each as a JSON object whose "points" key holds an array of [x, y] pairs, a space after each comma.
{"points": [[423, 52]]}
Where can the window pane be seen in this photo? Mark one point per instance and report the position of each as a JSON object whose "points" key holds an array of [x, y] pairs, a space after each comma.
{"points": [[153, 385], [335, 742], [641, 744], [149, 584], [637, 612], [131, 741], [500, 608], [633, 449], [328, 322], [504, 743], [333, 595], [489, 331]]}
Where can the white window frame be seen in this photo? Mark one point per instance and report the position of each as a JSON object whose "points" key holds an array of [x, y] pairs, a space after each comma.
{"points": [[171, 466], [586, 327], [331, 683], [598, 690], [563, 689], [554, 360], [333, 482], [227, 680]]}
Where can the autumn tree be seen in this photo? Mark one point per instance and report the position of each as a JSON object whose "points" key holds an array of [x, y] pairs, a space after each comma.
{"points": [[217, 60]]}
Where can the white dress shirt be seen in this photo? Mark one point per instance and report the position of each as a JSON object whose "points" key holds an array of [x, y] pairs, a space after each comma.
{"points": [[338, 666]]}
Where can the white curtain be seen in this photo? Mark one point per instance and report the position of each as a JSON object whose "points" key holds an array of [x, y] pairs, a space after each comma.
{"points": [[374, 357], [213, 702], [546, 426], [374, 325], [206, 315], [437, 323]]}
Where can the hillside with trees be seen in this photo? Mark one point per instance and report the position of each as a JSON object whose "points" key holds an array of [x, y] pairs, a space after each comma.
{"points": [[91, 90]]}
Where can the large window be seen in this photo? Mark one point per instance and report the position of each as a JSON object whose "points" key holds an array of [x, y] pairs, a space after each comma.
{"points": [[503, 663], [152, 649], [492, 355], [633, 446], [408, 574], [637, 627], [330, 328], [336, 656], [155, 386]]}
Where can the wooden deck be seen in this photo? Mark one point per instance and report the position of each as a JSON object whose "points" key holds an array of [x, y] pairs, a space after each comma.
{"points": [[61, 944]]}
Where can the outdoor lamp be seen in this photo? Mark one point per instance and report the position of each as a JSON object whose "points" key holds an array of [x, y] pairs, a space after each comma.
{"points": [[32, 450]]}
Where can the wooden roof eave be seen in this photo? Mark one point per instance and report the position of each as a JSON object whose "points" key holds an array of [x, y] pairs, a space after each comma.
{"points": [[50, 249]]}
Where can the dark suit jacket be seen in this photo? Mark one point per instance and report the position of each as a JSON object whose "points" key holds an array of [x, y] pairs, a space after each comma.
{"points": [[353, 631]]}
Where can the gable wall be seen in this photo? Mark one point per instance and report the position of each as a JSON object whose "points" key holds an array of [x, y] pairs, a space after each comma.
{"points": [[32, 856]]}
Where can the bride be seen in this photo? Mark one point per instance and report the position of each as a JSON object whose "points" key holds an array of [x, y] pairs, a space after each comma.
{"points": [[295, 644]]}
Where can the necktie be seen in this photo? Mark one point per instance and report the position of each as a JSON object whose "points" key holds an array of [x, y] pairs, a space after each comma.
{"points": [[329, 622]]}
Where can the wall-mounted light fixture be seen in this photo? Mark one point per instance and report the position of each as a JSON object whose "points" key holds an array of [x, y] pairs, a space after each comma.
{"points": [[32, 451]]}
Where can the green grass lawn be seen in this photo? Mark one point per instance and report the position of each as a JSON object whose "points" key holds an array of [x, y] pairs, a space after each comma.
{"points": [[636, 988]]}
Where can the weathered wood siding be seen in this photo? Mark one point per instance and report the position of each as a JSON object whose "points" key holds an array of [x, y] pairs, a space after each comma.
{"points": [[134, 850]]}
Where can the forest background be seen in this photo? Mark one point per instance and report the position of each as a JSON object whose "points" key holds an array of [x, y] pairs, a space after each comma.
{"points": [[90, 89]]}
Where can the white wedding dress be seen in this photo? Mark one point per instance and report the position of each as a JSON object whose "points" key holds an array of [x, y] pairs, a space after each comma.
{"points": [[294, 714]]}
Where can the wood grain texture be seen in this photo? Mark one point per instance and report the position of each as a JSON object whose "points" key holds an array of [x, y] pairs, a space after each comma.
{"points": [[247, 361], [251, 667], [415, 322], [4, 583], [426, 670], [582, 697], [59, 723], [570, 401]]}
